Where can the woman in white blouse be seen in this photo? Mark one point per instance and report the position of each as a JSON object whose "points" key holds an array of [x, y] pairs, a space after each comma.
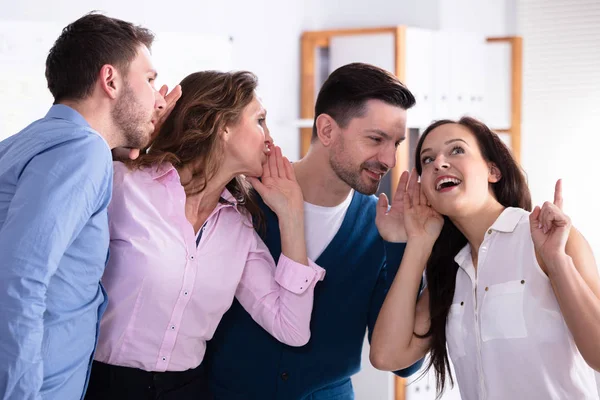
{"points": [[514, 296]]}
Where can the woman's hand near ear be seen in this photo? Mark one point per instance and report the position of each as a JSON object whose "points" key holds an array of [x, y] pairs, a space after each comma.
{"points": [[122, 153]]}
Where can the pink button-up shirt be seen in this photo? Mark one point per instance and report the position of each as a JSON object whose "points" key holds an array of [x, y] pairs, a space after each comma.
{"points": [[167, 296]]}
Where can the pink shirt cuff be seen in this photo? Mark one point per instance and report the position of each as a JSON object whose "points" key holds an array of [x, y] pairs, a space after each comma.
{"points": [[295, 277]]}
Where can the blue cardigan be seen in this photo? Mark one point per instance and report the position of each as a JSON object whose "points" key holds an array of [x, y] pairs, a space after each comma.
{"points": [[245, 362]]}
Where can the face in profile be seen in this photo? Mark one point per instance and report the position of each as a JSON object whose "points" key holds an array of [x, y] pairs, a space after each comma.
{"points": [[136, 109], [455, 177], [365, 150], [248, 140]]}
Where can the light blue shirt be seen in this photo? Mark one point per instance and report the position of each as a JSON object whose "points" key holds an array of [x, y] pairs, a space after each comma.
{"points": [[55, 186]]}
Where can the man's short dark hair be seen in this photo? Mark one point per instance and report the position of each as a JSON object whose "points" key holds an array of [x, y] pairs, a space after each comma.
{"points": [[344, 94], [84, 46]]}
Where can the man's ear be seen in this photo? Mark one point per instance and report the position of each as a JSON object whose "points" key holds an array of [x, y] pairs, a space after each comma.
{"points": [[326, 127], [110, 80], [494, 175]]}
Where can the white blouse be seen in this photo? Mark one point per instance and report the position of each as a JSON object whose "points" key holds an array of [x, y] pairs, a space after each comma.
{"points": [[506, 335]]}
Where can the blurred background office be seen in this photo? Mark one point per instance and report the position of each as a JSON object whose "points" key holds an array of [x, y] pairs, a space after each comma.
{"points": [[537, 81]]}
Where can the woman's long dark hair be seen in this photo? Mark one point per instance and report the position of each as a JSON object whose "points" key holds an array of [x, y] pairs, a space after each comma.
{"points": [[510, 191]]}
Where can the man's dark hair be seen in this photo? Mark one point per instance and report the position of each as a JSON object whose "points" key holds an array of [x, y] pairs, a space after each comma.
{"points": [[344, 94], [84, 46]]}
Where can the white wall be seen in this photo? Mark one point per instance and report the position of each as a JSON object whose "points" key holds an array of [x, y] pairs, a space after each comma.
{"points": [[561, 110], [331, 14], [561, 113]]}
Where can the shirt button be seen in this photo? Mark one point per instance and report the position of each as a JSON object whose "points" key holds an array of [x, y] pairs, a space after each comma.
{"points": [[489, 231], [486, 288], [172, 327], [191, 257], [285, 376], [164, 358], [185, 293]]}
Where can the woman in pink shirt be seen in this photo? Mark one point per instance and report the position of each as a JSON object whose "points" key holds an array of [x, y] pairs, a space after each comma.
{"points": [[183, 244]]}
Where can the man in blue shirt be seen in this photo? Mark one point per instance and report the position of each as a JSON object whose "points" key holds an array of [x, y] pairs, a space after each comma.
{"points": [[55, 185], [360, 121]]}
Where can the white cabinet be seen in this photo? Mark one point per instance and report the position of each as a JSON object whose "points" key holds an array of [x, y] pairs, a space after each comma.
{"points": [[497, 105], [459, 75], [442, 76], [451, 74], [420, 66], [376, 49]]}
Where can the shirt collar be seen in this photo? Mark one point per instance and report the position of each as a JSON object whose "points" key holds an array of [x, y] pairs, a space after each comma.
{"points": [[508, 220], [228, 198], [61, 111], [506, 223], [462, 255], [162, 170]]}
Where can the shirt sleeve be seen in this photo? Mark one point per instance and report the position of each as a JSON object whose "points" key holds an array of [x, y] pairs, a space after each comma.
{"points": [[279, 298], [54, 196], [393, 257]]}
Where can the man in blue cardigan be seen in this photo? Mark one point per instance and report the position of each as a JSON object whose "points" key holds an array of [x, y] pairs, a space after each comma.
{"points": [[360, 121]]}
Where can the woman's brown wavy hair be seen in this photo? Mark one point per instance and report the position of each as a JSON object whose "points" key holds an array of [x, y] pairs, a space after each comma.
{"points": [[210, 101]]}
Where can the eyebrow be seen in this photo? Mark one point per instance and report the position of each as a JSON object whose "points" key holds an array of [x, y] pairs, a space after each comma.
{"points": [[447, 143], [379, 132]]}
